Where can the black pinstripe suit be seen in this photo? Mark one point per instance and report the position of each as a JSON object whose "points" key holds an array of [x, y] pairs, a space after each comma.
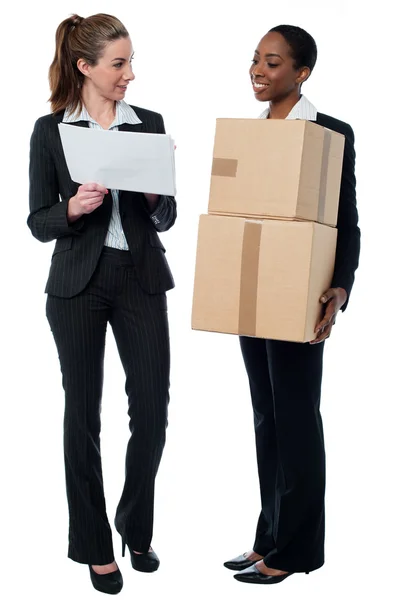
{"points": [[89, 286]]}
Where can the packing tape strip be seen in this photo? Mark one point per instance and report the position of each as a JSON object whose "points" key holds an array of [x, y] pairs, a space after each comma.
{"points": [[224, 167], [249, 278], [323, 176]]}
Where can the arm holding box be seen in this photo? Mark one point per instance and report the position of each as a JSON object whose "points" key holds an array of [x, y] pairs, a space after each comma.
{"points": [[348, 239]]}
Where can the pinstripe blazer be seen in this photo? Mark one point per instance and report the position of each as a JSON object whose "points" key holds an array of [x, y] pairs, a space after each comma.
{"points": [[80, 244]]}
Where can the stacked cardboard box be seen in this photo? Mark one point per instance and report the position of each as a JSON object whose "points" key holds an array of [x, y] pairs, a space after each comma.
{"points": [[266, 248]]}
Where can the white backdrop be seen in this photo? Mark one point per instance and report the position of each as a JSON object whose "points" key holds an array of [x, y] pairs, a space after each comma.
{"points": [[191, 64]]}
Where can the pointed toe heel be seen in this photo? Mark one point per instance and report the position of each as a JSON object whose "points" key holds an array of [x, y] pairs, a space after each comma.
{"points": [[252, 575], [239, 563]]}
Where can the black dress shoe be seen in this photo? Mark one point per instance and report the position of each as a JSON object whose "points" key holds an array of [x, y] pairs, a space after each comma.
{"points": [[239, 563], [146, 563], [253, 575], [111, 583]]}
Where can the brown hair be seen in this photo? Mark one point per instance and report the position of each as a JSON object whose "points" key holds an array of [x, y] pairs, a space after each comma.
{"points": [[76, 38]]}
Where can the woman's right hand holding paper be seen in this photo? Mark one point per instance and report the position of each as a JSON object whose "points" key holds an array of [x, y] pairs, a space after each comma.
{"points": [[88, 197]]}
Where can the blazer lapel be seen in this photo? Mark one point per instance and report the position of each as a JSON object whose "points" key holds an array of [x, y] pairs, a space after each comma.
{"points": [[128, 127], [79, 123]]}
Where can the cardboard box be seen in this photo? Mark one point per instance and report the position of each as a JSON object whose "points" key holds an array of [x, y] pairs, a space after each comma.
{"points": [[276, 168], [261, 278]]}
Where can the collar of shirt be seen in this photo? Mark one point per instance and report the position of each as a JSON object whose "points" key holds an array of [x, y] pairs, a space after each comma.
{"points": [[124, 114], [303, 109]]}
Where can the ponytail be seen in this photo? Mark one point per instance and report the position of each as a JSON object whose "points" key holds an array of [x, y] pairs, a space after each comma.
{"points": [[64, 77]]}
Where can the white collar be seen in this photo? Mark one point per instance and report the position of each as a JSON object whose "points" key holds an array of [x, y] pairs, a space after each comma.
{"points": [[303, 109], [124, 114]]}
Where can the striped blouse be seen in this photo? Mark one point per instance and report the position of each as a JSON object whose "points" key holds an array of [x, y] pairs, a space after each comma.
{"points": [[303, 109]]}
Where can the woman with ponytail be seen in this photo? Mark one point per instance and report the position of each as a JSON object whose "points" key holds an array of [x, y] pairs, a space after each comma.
{"points": [[108, 265]]}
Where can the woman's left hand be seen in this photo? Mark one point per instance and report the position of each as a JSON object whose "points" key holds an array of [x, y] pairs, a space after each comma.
{"points": [[333, 299]]}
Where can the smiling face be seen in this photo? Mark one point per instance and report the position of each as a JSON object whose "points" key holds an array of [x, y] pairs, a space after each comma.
{"points": [[273, 73], [111, 75]]}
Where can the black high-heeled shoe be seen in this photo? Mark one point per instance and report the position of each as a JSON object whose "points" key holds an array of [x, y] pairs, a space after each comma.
{"points": [[239, 563], [253, 575], [148, 562], [110, 583]]}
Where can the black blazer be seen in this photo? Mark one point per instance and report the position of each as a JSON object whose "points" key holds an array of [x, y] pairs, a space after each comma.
{"points": [[348, 239], [79, 244]]}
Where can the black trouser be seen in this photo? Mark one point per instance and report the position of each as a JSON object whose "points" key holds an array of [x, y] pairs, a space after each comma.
{"points": [[140, 326], [285, 383]]}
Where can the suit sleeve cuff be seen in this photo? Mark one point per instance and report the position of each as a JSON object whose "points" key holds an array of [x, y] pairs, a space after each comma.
{"points": [[156, 215]]}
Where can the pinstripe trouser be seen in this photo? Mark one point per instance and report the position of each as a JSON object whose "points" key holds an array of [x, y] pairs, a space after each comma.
{"points": [[140, 326]]}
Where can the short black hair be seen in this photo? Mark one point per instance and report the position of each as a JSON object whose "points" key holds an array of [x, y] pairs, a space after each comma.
{"points": [[303, 46]]}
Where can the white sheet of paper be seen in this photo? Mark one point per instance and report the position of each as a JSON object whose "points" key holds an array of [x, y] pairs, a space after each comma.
{"points": [[120, 160]]}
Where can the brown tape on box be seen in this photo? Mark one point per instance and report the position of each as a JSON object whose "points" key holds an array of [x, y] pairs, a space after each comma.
{"points": [[323, 175], [249, 278], [224, 167]]}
